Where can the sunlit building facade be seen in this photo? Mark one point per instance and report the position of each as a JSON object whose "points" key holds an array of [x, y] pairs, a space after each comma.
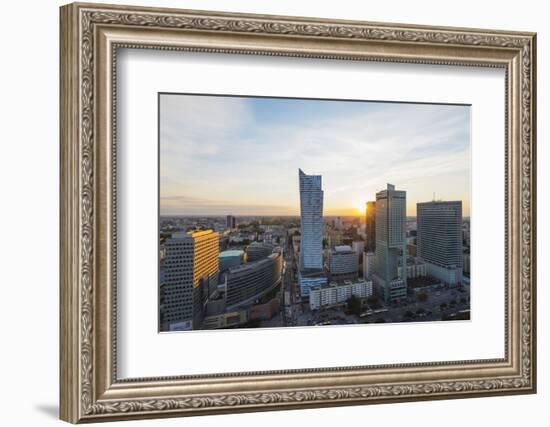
{"points": [[191, 268], [370, 227]]}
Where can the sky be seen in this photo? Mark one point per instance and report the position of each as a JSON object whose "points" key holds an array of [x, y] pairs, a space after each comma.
{"points": [[223, 155]]}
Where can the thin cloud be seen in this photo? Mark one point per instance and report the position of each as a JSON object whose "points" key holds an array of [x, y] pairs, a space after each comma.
{"points": [[246, 152]]}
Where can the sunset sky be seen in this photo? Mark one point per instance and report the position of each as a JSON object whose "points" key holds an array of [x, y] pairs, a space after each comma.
{"points": [[240, 156]]}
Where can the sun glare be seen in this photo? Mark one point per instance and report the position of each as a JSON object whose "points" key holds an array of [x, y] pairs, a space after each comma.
{"points": [[361, 208]]}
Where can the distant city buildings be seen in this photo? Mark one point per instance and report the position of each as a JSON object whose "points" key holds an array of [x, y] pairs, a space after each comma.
{"points": [[343, 264], [391, 243], [311, 230], [439, 239], [332, 294], [263, 272], [370, 227], [191, 267], [335, 238]]}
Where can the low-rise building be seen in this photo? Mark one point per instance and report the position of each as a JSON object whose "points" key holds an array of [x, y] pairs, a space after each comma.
{"points": [[226, 320], [231, 258], [338, 293], [343, 263], [256, 251], [415, 268], [308, 279]]}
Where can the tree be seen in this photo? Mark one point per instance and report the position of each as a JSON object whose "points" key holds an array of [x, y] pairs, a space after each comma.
{"points": [[372, 300], [354, 305], [422, 297]]}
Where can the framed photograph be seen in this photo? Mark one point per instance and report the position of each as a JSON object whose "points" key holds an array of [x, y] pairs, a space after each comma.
{"points": [[266, 213]]}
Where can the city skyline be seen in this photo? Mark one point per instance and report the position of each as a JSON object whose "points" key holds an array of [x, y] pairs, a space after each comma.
{"points": [[215, 275], [238, 156]]}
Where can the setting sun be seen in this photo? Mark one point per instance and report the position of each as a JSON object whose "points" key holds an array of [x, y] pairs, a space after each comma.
{"points": [[361, 207]]}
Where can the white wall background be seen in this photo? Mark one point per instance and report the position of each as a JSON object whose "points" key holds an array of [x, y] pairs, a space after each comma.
{"points": [[29, 170]]}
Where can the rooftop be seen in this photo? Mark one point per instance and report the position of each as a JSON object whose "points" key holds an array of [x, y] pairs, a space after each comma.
{"points": [[231, 253], [340, 284]]}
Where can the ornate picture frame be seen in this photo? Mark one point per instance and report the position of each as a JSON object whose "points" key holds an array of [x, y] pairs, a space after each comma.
{"points": [[90, 37]]}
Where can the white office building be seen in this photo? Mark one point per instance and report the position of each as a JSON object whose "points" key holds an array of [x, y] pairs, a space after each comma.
{"points": [[338, 293], [439, 239], [358, 246], [343, 263], [414, 268]]}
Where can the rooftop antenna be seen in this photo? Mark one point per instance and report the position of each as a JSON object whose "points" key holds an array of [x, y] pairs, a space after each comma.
{"points": [[434, 197]]}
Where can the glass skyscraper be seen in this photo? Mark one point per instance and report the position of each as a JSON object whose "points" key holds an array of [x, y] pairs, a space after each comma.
{"points": [[391, 242], [311, 216], [311, 228]]}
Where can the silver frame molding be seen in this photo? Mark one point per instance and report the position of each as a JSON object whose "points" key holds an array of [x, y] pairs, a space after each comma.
{"points": [[90, 37]]}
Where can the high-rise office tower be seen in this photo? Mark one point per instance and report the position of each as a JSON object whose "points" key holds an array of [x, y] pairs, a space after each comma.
{"points": [[311, 216], [369, 262], [311, 228], [191, 267], [230, 222], [370, 227], [439, 239], [391, 242]]}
